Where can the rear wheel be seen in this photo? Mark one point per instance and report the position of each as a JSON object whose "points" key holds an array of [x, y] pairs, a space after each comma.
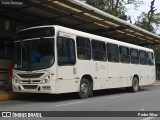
{"points": [[135, 85], [84, 91]]}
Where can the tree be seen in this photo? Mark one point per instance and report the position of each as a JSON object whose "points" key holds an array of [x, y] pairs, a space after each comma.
{"points": [[114, 7], [149, 21]]}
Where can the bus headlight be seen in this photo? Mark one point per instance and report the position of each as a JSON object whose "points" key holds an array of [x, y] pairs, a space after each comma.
{"points": [[15, 79], [46, 79]]}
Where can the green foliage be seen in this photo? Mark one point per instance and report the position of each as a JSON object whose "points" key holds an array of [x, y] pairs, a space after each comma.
{"points": [[143, 22], [114, 7], [152, 26], [156, 49], [149, 21]]}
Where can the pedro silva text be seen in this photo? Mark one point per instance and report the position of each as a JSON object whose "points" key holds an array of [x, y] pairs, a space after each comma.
{"points": [[147, 115]]}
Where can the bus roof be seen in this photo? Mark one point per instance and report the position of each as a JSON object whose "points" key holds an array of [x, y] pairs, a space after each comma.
{"points": [[90, 36], [96, 37]]}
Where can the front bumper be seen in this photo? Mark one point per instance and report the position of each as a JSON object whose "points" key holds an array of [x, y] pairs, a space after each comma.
{"points": [[33, 88]]}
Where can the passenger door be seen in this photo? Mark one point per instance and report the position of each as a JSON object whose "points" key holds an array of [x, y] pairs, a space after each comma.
{"points": [[66, 60]]}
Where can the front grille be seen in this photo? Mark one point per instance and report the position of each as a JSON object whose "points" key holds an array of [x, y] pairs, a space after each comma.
{"points": [[30, 81], [31, 75], [30, 86]]}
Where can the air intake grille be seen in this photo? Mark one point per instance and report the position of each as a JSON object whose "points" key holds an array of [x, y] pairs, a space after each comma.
{"points": [[30, 81], [30, 86], [31, 75]]}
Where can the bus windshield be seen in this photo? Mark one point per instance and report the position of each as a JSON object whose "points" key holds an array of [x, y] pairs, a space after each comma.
{"points": [[36, 33], [34, 54]]}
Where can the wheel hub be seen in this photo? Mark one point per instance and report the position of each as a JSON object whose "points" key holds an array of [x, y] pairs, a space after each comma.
{"points": [[84, 88]]}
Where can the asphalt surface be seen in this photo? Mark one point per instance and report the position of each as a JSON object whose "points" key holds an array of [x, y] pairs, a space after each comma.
{"points": [[147, 99]]}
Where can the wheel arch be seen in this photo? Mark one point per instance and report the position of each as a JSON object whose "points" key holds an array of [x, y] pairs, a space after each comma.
{"points": [[136, 75], [89, 78]]}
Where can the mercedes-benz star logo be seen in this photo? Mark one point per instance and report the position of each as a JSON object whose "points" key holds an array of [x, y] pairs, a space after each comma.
{"points": [[29, 81]]}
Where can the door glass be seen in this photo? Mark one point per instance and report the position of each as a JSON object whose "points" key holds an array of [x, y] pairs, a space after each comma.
{"points": [[66, 51]]}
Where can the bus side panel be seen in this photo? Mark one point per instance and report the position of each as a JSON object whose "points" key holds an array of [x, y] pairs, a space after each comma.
{"points": [[151, 74], [114, 73], [147, 75], [134, 70], [143, 75], [97, 70], [66, 86], [66, 79], [125, 72], [122, 74], [100, 75], [86, 67]]}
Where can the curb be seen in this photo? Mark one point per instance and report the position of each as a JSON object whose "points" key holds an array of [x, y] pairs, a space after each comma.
{"points": [[157, 83], [9, 96]]}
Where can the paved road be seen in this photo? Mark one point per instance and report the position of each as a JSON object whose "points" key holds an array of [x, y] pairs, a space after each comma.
{"points": [[148, 99]]}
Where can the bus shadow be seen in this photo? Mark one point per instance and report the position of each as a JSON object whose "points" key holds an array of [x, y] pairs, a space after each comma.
{"points": [[72, 96]]}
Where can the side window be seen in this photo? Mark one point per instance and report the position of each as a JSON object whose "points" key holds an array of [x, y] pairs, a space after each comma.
{"points": [[66, 51], [134, 56], [143, 57], [98, 50], [124, 54], [83, 48], [112, 52], [150, 58]]}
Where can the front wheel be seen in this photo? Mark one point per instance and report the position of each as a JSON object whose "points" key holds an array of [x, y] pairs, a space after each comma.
{"points": [[135, 85], [84, 89]]}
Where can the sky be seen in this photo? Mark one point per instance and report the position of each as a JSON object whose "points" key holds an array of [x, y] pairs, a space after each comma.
{"points": [[143, 8]]}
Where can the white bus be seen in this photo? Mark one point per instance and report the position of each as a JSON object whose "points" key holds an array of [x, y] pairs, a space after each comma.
{"points": [[55, 59]]}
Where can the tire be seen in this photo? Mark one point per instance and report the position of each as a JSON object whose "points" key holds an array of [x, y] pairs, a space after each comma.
{"points": [[135, 85], [84, 90]]}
